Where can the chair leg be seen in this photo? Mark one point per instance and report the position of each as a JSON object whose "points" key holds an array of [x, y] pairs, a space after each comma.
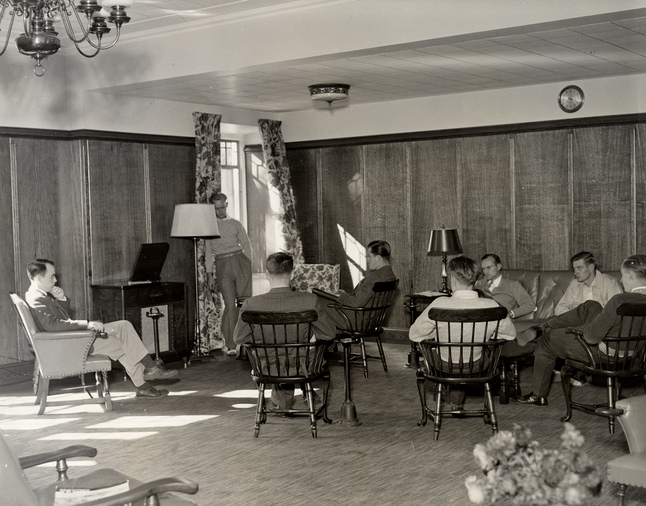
{"points": [[622, 493], [36, 377], [612, 399], [43, 389], [326, 387], [421, 380], [260, 409], [364, 357], [566, 373], [504, 387], [515, 391], [490, 408], [437, 419], [310, 407], [382, 354], [105, 389]]}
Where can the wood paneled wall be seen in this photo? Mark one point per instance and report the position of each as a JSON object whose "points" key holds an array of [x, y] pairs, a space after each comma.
{"points": [[534, 197], [87, 204]]}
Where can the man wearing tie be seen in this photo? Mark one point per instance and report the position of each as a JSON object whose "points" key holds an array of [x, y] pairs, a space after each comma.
{"points": [[508, 293]]}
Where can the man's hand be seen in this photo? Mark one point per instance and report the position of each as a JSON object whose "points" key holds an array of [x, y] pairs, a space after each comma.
{"points": [[58, 293], [97, 326]]}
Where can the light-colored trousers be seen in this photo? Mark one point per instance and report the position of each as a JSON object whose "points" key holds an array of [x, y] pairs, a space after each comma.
{"points": [[124, 345]]}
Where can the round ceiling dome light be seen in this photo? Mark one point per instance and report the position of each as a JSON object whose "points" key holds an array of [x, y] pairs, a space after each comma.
{"points": [[329, 92]]}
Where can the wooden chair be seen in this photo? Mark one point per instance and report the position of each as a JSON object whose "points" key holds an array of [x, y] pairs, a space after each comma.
{"points": [[631, 469], [61, 355], [467, 357], [367, 322], [614, 359], [282, 352], [16, 489]]}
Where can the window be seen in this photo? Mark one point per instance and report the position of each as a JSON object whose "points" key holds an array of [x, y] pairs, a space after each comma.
{"points": [[230, 178]]}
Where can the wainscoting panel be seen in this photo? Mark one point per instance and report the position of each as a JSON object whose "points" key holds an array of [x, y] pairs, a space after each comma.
{"points": [[639, 190], [434, 201], [602, 168], [303, 170], [118, 213], [542, 199], [486, 177], [386, 182], [342, 183], [11, 337]]}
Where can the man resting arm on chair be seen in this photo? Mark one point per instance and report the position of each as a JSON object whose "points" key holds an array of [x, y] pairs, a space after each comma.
{"points": [[51, 310]]}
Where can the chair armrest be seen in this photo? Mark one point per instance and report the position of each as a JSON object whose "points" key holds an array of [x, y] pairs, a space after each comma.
{"points": [[62, 454], [146, 490], [324, 294], [68, 334], [578, 335]]}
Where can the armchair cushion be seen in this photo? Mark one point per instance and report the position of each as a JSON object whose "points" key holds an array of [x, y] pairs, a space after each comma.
{"points": [[322, 276]]}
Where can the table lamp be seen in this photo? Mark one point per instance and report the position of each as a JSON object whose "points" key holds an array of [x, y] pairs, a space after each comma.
{"points": [[195, 221], [444, 242]]}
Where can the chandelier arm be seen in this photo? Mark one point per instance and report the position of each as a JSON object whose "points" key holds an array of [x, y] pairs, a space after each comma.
{"points": [[69, 29], [87, 55], [6, 41], [100, 46]]}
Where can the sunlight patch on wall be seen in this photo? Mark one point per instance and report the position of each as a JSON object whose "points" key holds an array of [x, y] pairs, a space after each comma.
{"points": [[355, 254]]}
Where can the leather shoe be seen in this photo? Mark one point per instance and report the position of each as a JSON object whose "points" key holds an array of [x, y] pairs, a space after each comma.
{"points": [[159, 372], [530, 398], [152, 392]]}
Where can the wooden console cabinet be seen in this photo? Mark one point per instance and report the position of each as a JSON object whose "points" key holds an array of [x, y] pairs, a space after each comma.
{"points": [[112, 302]]}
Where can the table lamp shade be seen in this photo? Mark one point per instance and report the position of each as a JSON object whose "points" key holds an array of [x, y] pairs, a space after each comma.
{"points": [[194, 220], [444, 241]]}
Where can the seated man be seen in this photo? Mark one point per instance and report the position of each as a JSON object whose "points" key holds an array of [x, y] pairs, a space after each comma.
{"points": [[282, 298], [509, 293], [588, 284], [595, 321], [51, 310], [463, 273], [379, 269]]}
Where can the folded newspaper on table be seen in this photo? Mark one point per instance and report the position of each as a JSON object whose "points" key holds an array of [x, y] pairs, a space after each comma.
{"points": [[69, 493]]}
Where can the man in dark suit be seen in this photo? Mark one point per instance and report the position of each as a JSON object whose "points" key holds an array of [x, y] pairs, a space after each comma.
{"points": [[282, 298], [119, 340]]}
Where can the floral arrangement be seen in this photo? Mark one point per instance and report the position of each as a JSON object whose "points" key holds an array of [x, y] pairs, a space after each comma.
{"points": [[516, 469]]}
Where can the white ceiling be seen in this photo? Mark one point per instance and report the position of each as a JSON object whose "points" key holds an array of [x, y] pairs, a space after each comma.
{"points": [[519, 56]]}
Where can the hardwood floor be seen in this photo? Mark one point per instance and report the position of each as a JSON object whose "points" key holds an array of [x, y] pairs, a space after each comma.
{"points": [[204, 431]]}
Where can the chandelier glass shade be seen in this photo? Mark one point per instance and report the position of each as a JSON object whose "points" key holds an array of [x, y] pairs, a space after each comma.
{"points": [[85, 25]]}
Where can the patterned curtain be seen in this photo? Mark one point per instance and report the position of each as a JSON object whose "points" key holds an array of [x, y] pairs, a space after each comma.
{"points": [[273, 148], [207, 183]]}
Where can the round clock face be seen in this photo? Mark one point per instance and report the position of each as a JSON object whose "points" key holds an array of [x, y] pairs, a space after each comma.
{"points": [[571, 98]]}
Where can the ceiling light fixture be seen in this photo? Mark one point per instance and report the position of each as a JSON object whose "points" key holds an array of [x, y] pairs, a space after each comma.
{"points": [[329, 92], [39, 39]]}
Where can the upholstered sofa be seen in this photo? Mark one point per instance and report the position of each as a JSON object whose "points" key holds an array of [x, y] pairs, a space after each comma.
{"points": [[546, 288]]}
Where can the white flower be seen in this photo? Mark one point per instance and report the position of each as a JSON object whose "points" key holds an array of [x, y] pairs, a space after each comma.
{"points": [[476, 494]]}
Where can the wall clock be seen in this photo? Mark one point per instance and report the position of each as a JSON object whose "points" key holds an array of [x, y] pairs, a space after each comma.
{"points": [[571, 98]]}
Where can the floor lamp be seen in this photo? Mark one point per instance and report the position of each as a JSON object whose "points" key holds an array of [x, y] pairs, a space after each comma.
{"points": [[444, 242], [195, 221]]}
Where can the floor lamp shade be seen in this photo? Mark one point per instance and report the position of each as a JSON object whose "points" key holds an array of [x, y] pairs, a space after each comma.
{"points": [[194, 220]]}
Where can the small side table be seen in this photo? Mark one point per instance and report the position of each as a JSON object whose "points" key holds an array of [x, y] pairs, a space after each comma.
{"points": [[416, 303]]}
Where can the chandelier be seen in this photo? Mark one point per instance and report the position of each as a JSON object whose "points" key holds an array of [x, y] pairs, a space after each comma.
{"points": [[85, 23]]}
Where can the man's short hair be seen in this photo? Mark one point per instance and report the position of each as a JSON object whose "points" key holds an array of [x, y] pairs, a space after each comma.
{"points": [[217, 196], [586, 256], [280, 263], [637, 264], [38, 267], [381, 248], [466, 269], [496, 258]]}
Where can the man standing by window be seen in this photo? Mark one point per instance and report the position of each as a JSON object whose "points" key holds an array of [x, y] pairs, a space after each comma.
{"points": [[232, 255]]}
